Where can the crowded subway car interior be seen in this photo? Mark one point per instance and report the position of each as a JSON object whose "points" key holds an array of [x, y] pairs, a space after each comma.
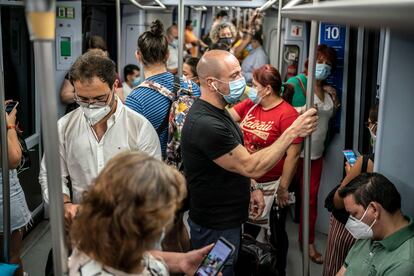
{"points": [[187, 137]]}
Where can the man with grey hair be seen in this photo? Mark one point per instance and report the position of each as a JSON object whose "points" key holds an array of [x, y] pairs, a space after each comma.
{"points": [[217, 166]]}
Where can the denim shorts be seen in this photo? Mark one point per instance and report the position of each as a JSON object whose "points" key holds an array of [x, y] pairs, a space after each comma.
{"points": [[20, 214]]}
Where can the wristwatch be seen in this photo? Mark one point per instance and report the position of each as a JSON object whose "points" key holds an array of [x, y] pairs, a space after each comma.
{"points": [[256, 186]]}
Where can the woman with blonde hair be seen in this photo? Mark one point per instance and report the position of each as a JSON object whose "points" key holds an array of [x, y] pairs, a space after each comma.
{"points": [[124, 216]]}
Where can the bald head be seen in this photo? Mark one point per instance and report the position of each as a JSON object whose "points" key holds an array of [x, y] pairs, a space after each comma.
{"points": [[216, 64]]}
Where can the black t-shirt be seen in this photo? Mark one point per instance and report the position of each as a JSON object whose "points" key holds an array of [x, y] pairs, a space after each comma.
{"points": [[219, 199]]}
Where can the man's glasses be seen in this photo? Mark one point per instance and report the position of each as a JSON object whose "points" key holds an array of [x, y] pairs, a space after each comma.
{"points": [[99, 101]]}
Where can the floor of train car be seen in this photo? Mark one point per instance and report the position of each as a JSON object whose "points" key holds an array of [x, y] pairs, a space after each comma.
{"points": [[38, 243]]}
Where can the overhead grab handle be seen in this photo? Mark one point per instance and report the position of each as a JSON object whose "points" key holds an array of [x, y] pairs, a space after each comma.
{"points": [[160, 7]]}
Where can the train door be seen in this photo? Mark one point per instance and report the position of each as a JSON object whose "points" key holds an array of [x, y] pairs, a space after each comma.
{"points": [[19, 81]]}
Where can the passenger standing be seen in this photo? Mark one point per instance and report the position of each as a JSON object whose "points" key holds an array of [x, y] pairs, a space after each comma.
{"points": [[190, 70], [172, 38], [191, 40], [20, 214], [91, 135], [340, 240], [113, 198], [132, 78], [153, 54], [67, 91], [263, 118], [385, 237], [327, 102], [217, 166], [255, 59]]}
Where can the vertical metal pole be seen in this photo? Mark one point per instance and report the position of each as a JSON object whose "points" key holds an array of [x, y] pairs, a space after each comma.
{"points": [[180, 37], [41, 20], [4, 160], [238, 14], [307, 160], [118, 36], [279, 37]]}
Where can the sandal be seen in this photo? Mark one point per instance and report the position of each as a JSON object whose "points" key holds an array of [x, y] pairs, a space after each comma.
{"points": [[316, 257]]}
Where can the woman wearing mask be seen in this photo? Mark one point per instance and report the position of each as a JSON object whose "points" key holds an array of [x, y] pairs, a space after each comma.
{"points": [[20, 215], [263, 118], [124, 215], [340, 240], [327, 102], [190, 70], [147, 99]]}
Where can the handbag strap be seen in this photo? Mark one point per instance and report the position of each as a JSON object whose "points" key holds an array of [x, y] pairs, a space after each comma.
{"points": [[301, 85], [364, 166]]}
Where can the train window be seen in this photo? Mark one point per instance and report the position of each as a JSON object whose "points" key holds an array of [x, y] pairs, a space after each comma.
{"points": [[19, 66]]}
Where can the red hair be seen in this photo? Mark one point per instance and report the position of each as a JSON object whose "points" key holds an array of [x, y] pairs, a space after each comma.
{"points": [[269, 75]]}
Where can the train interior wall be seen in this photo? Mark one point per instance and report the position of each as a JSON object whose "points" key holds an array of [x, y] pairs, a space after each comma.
{"points": [[394, 152]]}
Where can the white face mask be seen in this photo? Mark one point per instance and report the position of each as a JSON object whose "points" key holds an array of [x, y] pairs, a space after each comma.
{"points": [[358, 229], [95, 113]]}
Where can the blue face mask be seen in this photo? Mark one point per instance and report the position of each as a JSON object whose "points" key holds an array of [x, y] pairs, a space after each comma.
{"points": [[249, 48], [322, 71], [174, 43], [252, 94], [236, 87], [136, 81]]}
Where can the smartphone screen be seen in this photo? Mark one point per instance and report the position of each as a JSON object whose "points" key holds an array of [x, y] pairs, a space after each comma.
{"points": [[216, 258], [10, 106], [350, 157]]}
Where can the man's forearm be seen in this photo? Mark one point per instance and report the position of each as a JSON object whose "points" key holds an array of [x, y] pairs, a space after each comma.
{"points": [[265, 159]]}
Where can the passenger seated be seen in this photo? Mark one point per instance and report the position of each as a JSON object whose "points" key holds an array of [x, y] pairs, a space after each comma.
{"points": [[124, 215], [385, 237]]}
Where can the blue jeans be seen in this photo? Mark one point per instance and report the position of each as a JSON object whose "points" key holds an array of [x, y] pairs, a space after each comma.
{"points": [[201, 236]]}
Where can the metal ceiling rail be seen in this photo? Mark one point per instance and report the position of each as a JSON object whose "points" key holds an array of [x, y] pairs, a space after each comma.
{"points": [[371, 13], [268, 5], [160, 7]]}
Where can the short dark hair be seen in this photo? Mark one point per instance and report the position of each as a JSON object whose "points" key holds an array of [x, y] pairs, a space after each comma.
{"points": [[258, 37], [129, 69], [373, 187], [97, 42], [192, 62], [188, 23], [221, 13], [153, 44], [90, 65]]}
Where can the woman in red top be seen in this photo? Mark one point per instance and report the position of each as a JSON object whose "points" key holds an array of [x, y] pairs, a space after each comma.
{"points": [[263, 118]]}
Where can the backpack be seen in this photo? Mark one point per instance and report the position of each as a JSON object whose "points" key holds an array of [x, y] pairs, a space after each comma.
{"points": [[181, 100]]}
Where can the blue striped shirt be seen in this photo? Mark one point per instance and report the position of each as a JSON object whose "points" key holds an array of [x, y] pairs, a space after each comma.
{"points": [[154, 106]]}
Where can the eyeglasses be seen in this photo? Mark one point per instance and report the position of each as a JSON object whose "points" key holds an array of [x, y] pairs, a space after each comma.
{"points": [[98, 101]]}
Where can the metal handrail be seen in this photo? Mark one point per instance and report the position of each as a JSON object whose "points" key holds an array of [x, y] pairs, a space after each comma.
{"points": [[4, 162], [267, 5], [372, 13], [180, 36], [160, 7], [41, 18], [118, 35]]}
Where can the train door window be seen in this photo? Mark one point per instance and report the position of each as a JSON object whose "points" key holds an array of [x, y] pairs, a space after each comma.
{"points": [[18, 61], [290, 61], [369, 86]]}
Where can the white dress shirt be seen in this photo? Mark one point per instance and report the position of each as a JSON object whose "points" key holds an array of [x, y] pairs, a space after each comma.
{"points": [[82, 157], [127, 89], [172, 62]]}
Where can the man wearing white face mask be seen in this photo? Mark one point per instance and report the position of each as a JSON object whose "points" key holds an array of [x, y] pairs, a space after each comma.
{"points": [[217, 166], [385, 236], [92, 134]]}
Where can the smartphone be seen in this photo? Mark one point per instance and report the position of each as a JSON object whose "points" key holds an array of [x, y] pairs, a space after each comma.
{"points": [[10, 106], [214, 262], [350, 157]]}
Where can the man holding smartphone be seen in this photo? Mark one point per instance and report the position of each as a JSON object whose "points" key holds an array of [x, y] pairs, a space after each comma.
{"points": [[218, 167]]}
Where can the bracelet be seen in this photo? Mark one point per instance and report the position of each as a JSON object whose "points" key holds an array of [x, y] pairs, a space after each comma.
{"points": [[11, 126], [257, 186], [66, 202]]}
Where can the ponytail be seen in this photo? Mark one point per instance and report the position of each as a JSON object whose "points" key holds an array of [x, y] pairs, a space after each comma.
{"points": [[286, 92]]}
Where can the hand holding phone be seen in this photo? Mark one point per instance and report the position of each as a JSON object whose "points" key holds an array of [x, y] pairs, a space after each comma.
{"points": [[350, 157], [214, 262], [10, 106]]}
